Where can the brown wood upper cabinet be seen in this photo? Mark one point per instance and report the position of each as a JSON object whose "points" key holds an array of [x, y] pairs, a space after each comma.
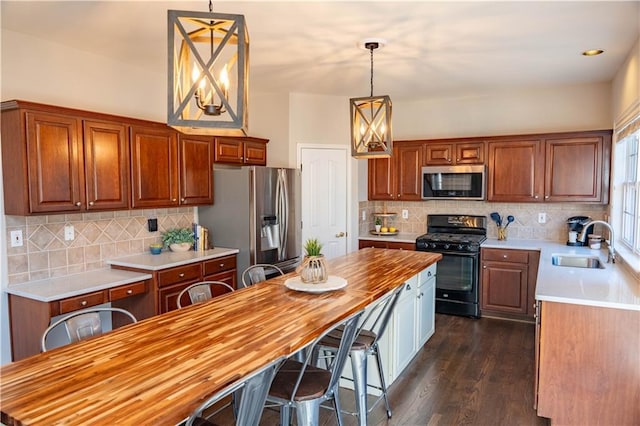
{"points": [[449, 153], [196, 171], [243, 151], [563, 167], [55, 160], [154, 167], [398, 177]]}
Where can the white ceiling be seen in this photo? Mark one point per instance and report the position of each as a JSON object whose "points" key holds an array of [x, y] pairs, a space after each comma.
{"points": [[445, 48]]}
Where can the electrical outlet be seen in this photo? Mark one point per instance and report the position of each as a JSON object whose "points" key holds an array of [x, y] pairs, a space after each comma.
{"points": [[405, 214], [152, 224], [16, 238], [69, 233], [542, 218]]}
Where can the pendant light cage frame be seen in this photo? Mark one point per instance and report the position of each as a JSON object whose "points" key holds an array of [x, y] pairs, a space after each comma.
{"points": [[202, 47], [371, 130]]}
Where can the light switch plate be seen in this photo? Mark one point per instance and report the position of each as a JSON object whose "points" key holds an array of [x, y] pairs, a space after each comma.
{"points": [[542, 218], [405, 214]]}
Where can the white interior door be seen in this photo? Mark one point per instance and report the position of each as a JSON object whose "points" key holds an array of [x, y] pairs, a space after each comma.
{"points": [[324, 198]]}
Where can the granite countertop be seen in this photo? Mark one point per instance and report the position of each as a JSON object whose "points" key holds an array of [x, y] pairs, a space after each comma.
{"points": [[613, 287], [169, 259], [52, 289], [402, 237]]}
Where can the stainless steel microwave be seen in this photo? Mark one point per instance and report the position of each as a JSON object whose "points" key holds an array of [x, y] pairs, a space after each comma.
{"points": [[453, 182]]}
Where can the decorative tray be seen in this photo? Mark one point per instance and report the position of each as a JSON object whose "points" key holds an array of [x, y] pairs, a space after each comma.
{"points": [[333, 283], [374, 232]]}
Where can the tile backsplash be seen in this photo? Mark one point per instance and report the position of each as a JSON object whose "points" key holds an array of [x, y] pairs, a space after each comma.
{"points": [[98, 236], [525, 226]]}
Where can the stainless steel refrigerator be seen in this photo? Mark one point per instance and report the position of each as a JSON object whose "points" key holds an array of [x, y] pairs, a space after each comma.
{"points": [[258, 211]]}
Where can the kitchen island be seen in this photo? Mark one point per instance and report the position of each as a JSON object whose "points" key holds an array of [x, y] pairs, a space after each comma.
{"points": [[158, 370]]}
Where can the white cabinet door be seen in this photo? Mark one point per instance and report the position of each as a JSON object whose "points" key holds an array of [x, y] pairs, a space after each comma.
{"points": [[426, 305], [404, 327]]}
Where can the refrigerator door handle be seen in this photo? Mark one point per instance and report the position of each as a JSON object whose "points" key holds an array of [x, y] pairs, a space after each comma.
{"points": [[282, 211]]}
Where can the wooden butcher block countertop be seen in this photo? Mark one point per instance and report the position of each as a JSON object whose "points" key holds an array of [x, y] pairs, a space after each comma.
{"points": [[158, 370]]}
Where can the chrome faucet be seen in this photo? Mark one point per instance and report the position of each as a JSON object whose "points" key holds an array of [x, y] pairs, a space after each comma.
{"points": [[612, 253]]}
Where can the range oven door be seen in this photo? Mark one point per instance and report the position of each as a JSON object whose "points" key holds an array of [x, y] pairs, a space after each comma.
{"points": [[457, 277]]}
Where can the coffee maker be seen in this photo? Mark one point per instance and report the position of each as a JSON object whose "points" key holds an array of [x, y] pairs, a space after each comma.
{"points": [[576, 225]]}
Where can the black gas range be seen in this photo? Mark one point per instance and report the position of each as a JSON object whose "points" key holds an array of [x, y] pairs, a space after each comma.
{"points": [[458, 239]]}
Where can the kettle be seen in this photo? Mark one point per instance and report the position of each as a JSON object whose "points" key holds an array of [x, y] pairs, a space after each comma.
{"points": [[576, 225]]}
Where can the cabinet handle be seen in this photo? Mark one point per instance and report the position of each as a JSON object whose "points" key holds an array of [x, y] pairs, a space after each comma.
{"points": [[78, 204], [181, 275], [91, 203], [129, 291], [429, 273], [408, 287], [83, 303]]}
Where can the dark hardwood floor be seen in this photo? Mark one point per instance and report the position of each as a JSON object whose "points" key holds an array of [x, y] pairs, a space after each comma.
{"points": [[471, 372]]}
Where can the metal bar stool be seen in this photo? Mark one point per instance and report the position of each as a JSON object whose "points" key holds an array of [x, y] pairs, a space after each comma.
{"points": [[83, 324], [258, 273], [303, 386], [201, 291], [365, 344]]}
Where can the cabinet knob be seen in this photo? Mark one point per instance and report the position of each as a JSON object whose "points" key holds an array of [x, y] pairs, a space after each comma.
{"points": [[457, 160], [546, 197], [182, 200], [429, 273], [222, 265], [83, 303], [78, 204], [129, 291], [91, 203], [408, 287], [504, 256], [448, 160], [484, 266], [181, 275], [174, 200], [535, 196]]}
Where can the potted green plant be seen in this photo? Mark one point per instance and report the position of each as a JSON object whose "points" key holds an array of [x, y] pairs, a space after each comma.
{"points": [[178, 239], [313, 268], [378, 223]]}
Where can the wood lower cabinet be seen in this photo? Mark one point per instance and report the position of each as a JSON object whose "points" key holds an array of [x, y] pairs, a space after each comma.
{"points": [[588, 368], [386, 244], [562, 167], [245, 151], [508, 281], [398, 177], [30, 318], [55, 160], [167, 283]]}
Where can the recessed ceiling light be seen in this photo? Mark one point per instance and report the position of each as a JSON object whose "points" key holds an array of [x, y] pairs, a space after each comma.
{"points": [[593, 52]]}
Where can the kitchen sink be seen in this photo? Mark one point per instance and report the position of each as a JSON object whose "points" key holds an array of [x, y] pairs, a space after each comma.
{"points": [[590, 262]]}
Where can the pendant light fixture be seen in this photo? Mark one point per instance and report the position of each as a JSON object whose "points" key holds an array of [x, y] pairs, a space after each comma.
{"points": [[371, 119], [208, 72]]}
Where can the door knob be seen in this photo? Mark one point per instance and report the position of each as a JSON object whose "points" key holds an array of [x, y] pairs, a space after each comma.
{"points": [[340, 234]]}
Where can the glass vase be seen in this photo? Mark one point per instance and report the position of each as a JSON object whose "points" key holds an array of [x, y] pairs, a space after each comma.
{"points": [[313, 270]]}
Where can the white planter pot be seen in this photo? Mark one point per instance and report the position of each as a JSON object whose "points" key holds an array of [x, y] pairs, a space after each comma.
{"points": [[178, 247]]}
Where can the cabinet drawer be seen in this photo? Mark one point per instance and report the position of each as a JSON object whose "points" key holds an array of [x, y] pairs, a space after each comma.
{"points": [[179, 274], [401, 246], [80, 302], [220, 264], [127, 290], [501, 255]]}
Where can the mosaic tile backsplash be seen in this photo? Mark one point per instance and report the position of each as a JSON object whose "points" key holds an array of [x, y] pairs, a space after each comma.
{"points": [[525, 226], [98, 236]]}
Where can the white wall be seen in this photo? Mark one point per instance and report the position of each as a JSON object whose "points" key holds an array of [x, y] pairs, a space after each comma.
{"points": [[625, 88]]}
